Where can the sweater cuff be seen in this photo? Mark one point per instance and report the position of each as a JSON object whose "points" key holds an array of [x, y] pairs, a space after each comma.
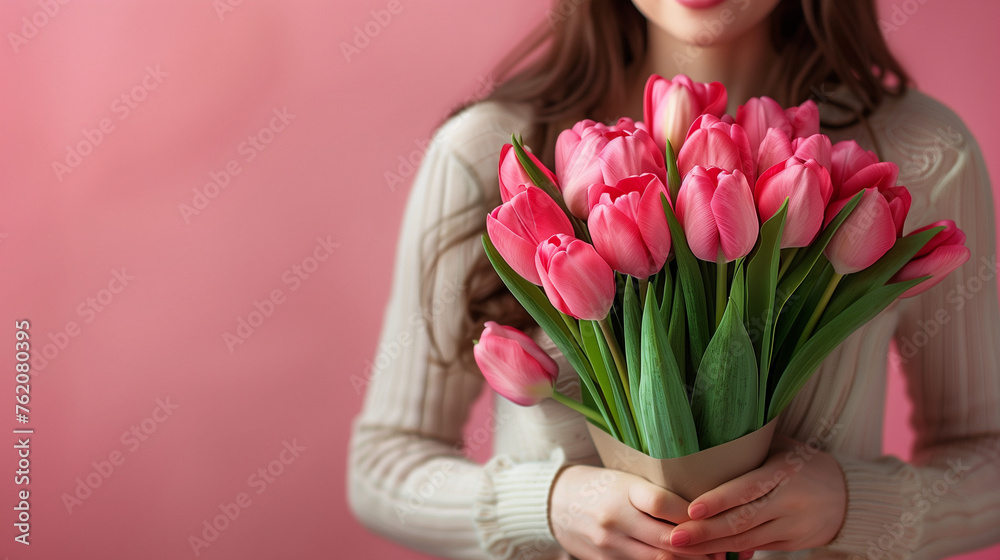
{"points": [[881, 521], [511, 508]]}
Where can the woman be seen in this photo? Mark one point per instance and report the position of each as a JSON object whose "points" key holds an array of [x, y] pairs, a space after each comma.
{"points": [[832, 496]]}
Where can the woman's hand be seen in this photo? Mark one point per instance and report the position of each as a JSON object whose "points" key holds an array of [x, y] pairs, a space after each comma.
{"points": [[600, 513], [796, 500]]}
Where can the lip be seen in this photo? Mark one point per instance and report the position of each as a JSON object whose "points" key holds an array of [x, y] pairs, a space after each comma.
{"points": [[700, 4]]}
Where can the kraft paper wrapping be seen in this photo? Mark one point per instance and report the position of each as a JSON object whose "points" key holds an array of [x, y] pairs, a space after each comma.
{"points": [[692, 475]]}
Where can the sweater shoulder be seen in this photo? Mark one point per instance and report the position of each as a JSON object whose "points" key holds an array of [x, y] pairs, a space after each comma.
{"points": [[475, 136]]}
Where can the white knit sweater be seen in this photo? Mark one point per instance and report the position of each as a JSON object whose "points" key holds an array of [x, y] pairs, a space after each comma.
{"points": [[409, 481]]}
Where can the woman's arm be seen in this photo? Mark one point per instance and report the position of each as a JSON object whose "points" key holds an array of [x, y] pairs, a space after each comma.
{"points": [[408, 479], [947, 500]]}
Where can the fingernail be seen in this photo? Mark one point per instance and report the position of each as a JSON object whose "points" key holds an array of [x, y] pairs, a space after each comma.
{"points": [[680, 538], [697, 511]]}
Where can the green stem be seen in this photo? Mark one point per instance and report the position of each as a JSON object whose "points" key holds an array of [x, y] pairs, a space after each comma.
{"points": [[609, 337], [590, 413], [643, 286], [721, 283], [786, 261], [574, 328], [818, 312]]}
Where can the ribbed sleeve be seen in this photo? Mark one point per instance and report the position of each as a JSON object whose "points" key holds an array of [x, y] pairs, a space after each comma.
{"points": [[408, 479], [948, 339]]}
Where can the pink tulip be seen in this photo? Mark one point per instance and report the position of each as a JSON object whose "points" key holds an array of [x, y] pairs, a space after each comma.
{"points": [[513, 177], [806, 184], [777, 147], [628, 226], [717, 211], [576, 279], [712, 142], [853, 168], [514, 365], [595, 154], [670, 106], [945, 252], [759, 114], [517, 226], [870, 230], [804, 119]]}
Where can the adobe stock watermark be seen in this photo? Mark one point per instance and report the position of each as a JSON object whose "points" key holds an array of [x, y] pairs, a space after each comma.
{"points": [[899, 15], [132, 439], [390, 350], [959, 296], [711, 30], [365, 33], [293, 277], [249, 148], [88, 310], [409, 163], [922, 502], [416, 497], [740, 519], [121, 107], [32, 24], [258, 481], [225, 7]]}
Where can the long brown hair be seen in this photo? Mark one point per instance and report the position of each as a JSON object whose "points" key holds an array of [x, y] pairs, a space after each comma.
{"points": [[587, 51]]}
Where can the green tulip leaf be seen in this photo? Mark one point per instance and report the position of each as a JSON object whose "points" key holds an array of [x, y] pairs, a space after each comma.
{"points": [[724, 402], [690, 278], [668, 425], [761, 282], [628, 429], [825, 339], [855, 285]]}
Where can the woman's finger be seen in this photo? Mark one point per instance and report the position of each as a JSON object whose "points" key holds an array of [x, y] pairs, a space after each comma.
{"points": [[731, 522], [757, 538], [657, 502], [742, 490]]}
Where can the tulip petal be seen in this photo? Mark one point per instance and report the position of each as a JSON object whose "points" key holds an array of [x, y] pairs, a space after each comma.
{"points": [[775, 148], [512, 372], [735, 216], [527, 343], [694, 212], [759, 114], [630, 156], [881, 175], [864, 237], [804, 119], [938, 264], [617, 239]]}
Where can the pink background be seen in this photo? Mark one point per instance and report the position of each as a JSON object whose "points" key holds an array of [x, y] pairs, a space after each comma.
{"points": [[321, 174]]}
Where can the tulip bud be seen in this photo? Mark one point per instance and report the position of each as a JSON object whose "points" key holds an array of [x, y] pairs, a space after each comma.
{"points": [[712, 142], [806, 184], [804, 119], [576, 279], [595, 154], [945, 252], [671, 106], [628, 226], [717, 211], [854, 168], [517, 226], [758, 115], [865, 236], [514, 365], [513, 177]]}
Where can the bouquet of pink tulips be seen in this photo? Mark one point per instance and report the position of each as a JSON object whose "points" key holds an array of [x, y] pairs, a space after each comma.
{"points": [[697, 268]]}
